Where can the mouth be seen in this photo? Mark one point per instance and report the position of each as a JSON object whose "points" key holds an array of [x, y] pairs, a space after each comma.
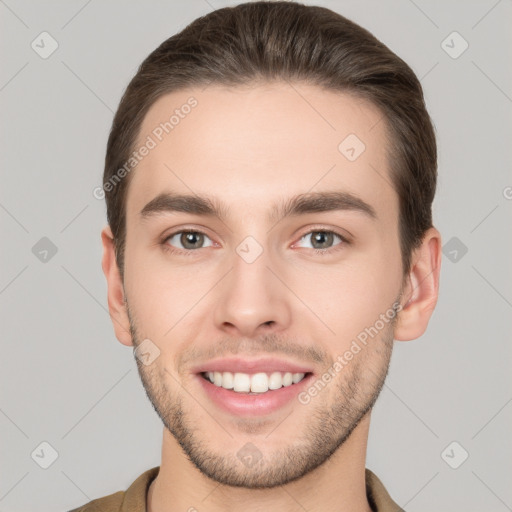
{"points": [[255, 383], [246, 388]]}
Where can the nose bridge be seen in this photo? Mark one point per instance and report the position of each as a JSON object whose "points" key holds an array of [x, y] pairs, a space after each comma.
{"points": [[251, 297]]}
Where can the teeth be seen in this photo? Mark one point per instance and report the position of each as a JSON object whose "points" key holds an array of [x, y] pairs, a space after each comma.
{"points": [[254, 383], [241, 382], [275, 381], [227, 380], [259, 383]]}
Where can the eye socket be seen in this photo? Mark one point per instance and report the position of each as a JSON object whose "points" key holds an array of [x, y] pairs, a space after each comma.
{"points": [[196, 237], [185, 237], [325, 236]]}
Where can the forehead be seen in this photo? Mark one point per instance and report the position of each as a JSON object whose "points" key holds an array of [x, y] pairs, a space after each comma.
{"points": [[250, 145]]}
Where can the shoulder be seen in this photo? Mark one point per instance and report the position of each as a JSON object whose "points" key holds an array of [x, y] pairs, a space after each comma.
{"points": [[378, 496], [131, 500]]}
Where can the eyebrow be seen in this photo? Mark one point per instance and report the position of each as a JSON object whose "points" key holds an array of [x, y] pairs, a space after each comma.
{"points": [[311, 202]]}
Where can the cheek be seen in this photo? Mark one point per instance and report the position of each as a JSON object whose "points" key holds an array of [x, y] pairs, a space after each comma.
{"points": [[166, 297], [150, 293], [352, 297]]}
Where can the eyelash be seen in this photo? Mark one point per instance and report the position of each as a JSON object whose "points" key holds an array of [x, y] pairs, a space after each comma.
{"points": [[190, 252]]}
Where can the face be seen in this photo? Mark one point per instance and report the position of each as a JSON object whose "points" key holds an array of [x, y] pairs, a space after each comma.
{"points": [[244, 283]]}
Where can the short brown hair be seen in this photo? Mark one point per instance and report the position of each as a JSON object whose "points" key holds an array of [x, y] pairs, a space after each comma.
{"points": [[265, 41]]}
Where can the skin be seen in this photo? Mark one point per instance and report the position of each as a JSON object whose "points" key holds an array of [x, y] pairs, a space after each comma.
{"points": [[250, 147]]}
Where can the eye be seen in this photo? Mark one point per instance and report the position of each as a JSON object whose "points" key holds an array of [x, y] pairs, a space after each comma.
{"points": [[322, 240], [187, 241], [190, 240]]}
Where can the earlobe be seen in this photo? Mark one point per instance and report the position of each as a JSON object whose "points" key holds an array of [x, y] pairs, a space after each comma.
{"points": [[115, 290], [421, 288]]}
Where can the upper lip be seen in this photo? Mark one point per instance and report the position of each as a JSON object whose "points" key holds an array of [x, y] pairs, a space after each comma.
{"points": [[261, 365]]}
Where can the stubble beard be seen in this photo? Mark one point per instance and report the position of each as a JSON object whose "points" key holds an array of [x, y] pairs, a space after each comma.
{"points": [[329, 421]]}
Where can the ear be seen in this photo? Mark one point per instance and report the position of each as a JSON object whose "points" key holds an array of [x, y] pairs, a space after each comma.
{"points": [[116, 296], [421, 288]]}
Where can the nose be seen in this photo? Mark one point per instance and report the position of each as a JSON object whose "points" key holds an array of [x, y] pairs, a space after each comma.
{"points": [[252, 300]]}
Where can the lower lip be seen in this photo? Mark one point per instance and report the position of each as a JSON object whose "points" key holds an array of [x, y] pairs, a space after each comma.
{"points": [[243, 404]]}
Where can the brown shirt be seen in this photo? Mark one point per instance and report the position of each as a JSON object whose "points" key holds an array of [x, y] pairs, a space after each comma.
{"points": [[134, 498]]}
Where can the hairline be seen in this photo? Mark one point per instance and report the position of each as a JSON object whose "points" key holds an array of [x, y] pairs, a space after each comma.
{"points": [[389, 134]]}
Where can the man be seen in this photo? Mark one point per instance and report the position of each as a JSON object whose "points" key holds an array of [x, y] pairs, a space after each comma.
{"points": [[269, 179]]}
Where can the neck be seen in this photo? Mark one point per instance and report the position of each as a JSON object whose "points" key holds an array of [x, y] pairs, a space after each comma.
{"points": [[338, 485]]}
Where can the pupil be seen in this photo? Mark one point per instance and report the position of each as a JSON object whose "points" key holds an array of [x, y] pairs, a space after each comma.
{"points": [[188, 238], [319, 235]]}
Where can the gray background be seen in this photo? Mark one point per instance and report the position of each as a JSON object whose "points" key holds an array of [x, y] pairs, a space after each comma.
{"points": [[66, 380]]}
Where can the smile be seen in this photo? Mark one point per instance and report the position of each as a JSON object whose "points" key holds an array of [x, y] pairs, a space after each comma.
{"points": [[253, 383]]}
